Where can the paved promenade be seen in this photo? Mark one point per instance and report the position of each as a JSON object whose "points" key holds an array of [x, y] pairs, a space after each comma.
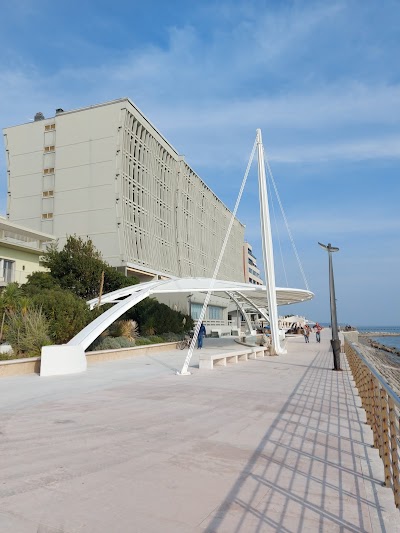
{"points": [[271, 445]]}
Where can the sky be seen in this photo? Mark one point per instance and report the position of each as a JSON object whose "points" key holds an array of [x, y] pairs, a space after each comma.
{"points": [[320, 79]]}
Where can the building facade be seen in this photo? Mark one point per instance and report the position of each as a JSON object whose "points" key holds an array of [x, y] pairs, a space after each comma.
{"points": [[251, 270], [105, 172], [20, 251]]}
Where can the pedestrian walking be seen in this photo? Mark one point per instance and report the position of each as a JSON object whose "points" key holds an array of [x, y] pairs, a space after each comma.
{"points": [[317, 328], [202, 332], [306, 333]]}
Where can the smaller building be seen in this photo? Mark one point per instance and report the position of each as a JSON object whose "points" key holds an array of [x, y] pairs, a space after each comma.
{"points": [[251, 270], [20, 251]]}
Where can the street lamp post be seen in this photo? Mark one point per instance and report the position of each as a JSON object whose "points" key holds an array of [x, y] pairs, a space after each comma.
{"points": [[335, 342]]}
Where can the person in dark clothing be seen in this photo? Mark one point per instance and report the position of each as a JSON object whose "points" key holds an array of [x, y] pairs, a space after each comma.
{"points": [[202, 332]]}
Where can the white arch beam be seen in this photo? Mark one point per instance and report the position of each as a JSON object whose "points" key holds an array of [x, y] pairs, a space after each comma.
{"points": [[256, 307], [242, 309], [90, 333]]}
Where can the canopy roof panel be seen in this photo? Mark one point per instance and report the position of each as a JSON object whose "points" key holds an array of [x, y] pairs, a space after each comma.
{"points": [[257, 293]]}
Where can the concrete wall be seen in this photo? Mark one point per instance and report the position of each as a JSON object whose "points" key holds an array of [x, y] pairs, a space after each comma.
{"points": [[17, 367]]}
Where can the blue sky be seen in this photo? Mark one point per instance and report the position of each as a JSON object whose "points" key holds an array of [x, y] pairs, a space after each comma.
{"points": [[321, 79]]}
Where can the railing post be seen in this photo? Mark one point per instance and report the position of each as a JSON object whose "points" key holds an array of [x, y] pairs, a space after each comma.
{"points": [[394, 426], [376, 426], [385, 437]]}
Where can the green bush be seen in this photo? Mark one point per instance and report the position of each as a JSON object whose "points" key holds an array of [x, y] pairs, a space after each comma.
{"points": [[171, 337], [27, 331], [124, 342], [67, 314], [109, 343], [156, 318], [155, 339], [38, 281], [8, 356], [142, 341]]}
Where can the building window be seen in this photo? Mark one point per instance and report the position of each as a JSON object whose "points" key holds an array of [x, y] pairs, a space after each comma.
{"points": [[47, 194], [214, 312], [50, 127], [196, 310], [46, 216], [49, 170], [6, 270], [49, 148]]}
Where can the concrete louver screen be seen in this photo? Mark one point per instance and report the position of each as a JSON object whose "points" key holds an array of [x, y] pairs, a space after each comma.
{"points": [[171, 220]]}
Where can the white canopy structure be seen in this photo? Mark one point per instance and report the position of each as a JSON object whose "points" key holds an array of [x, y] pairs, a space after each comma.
{"points": [[246, 295], [262, 299], [254, 296]]}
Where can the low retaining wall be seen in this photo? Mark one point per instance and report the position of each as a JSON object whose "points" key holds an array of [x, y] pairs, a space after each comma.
{"points": [[18, 367], [31, 365], [126, 353]]}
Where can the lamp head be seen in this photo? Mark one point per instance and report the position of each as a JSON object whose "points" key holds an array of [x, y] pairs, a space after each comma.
{"points": [[329, 247]]}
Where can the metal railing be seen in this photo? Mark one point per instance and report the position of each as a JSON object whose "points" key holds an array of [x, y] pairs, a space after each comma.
{"points": [[382, 407]]}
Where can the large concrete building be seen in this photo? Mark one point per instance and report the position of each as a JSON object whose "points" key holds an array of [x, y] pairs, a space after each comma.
{"points": [[106, 172], [251, 270]]}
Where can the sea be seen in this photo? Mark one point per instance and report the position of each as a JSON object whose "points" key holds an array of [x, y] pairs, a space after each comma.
{"points": [[392, 340]]}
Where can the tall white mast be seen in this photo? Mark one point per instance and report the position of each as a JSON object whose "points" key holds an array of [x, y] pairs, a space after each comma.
{"points": [[268, 254]]}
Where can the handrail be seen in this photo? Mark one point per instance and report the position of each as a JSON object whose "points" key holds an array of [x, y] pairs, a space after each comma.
{"points": [[382, 407], [375, 373]]}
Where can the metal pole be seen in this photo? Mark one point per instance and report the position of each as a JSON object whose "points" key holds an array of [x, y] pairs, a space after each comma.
{"points": [[335, 342], [268, 254]]}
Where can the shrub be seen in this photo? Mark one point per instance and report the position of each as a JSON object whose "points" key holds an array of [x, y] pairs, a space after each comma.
{"points": [[67, 314], [172, 337], [125, 328], [8, 356], [109, 343], [124, 342], [156, 318], [38, 281], [143, 341], [154, 339], [27, 331]]}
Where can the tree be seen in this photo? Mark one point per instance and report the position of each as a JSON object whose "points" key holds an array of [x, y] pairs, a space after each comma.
{"points": [[78, 267], [38, 281]]}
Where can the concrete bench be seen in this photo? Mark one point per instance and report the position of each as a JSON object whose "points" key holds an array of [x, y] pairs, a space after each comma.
{"points": [[216, 333], [208, 361], [259, 351]]}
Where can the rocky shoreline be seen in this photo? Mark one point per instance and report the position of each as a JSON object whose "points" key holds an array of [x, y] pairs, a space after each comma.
{"points": [[385, 359], [364, 339]]}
